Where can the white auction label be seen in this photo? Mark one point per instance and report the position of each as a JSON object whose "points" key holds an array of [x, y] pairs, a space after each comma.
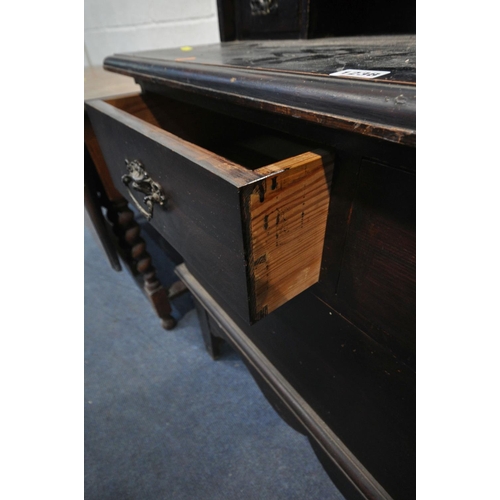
{"points": [[360, 73]]}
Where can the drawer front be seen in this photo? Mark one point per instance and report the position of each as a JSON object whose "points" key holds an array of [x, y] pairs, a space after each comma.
{"points": [[201, 215], [256, 236]]}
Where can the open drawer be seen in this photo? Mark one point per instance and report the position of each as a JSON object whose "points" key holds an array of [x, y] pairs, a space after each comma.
{"points": [[245, 206]]}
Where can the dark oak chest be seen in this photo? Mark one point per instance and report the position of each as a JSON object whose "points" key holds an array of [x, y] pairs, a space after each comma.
{"points": [[290, 195]]}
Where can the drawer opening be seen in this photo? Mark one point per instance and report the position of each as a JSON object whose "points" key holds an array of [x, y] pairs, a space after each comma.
{"points": [[249, 145], [247, 206]]}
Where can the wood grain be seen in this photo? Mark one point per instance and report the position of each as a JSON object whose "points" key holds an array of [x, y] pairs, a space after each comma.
{"points": [[287, 219]]}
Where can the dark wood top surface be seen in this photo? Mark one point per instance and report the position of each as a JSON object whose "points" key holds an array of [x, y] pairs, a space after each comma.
{"points": [[315, 57], [292, 77]]}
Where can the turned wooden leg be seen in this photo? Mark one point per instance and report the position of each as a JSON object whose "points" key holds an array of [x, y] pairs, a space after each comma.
{"points": [[136, 256]]}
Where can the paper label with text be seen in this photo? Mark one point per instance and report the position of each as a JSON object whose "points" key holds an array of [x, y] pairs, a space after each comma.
{"points": [[360, 73]]}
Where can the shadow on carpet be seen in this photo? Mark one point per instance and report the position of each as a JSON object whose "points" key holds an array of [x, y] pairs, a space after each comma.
{"points": [[164, 421]]}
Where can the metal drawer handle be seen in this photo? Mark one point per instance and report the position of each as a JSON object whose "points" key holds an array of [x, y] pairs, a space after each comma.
{"points": [[137, 178]]}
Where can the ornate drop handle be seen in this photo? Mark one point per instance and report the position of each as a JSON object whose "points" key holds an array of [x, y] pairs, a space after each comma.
{"points": [[137, 178]]}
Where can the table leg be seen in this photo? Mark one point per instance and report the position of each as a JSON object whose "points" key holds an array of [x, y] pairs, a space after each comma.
{"points": [[135, 254]]}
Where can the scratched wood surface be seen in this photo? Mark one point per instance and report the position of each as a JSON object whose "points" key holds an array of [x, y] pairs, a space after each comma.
{"points": [[293, 79], [287, 220], [396, 54]]}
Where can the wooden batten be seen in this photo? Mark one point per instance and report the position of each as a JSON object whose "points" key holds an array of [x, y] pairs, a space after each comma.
{"points": [[286, 222]]}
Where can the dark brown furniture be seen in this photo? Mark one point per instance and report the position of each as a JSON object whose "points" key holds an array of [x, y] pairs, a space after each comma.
{"points": [[290, 195], [289, 19]]}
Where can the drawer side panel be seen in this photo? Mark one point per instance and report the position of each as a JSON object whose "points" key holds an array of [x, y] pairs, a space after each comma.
{"points": [[286, 218]]}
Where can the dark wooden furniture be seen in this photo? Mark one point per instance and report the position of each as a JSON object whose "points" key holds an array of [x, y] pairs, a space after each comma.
{"points": [[289, 19], [290, 195]]}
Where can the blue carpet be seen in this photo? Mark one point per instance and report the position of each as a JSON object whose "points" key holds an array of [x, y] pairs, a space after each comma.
{"points": [[164, 421]]}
